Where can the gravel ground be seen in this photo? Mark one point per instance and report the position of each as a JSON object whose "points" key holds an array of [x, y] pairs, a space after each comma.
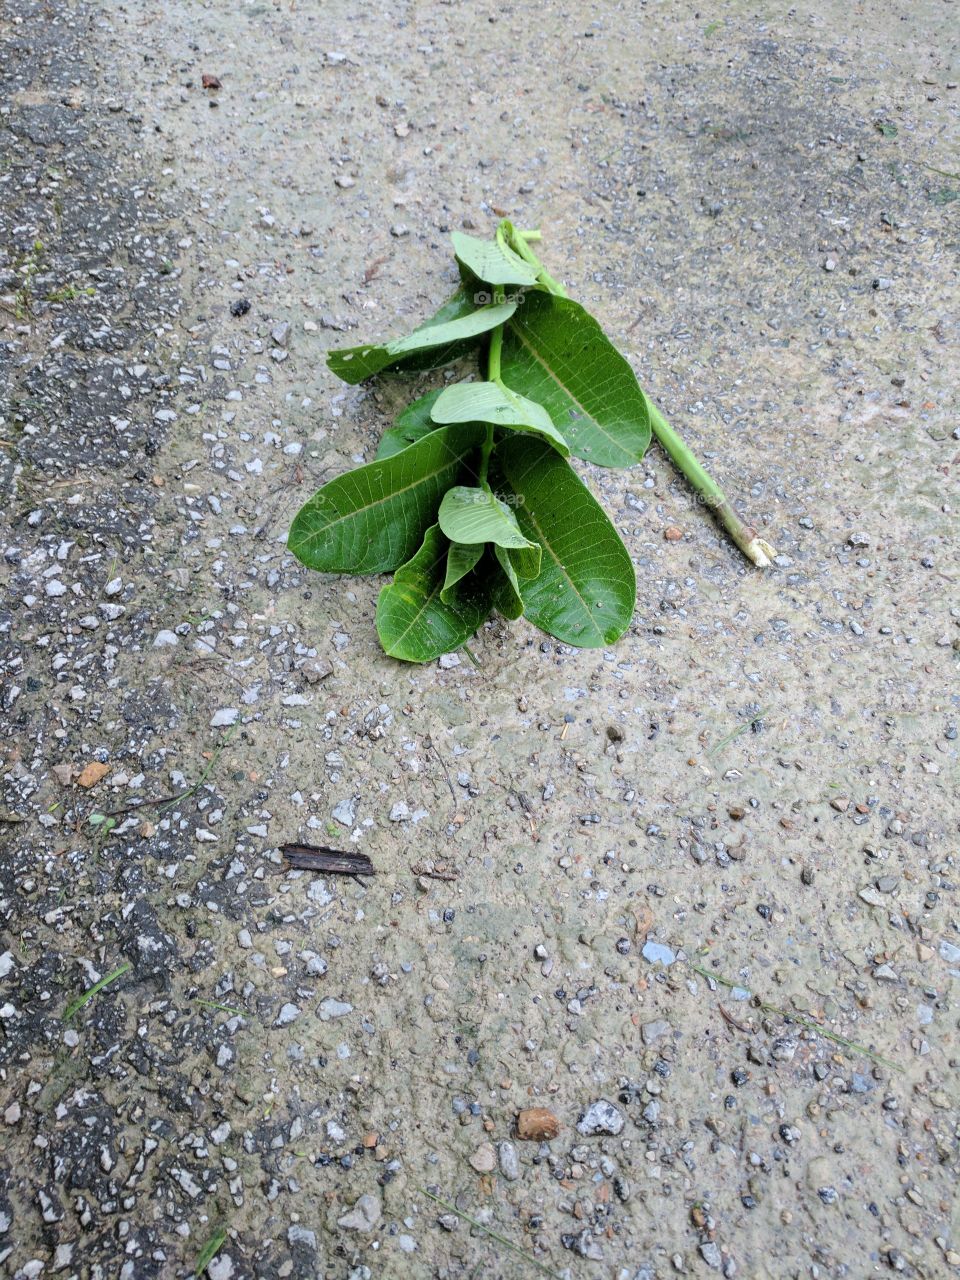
{"points": [[657, 973]]}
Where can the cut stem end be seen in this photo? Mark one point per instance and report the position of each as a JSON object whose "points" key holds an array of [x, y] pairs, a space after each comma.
{"points": [[760, 552]]}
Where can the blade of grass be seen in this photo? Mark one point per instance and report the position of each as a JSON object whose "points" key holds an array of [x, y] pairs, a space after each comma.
{"points": [[210, 1251], [944, 173], [211, 765], [473, 657], [736, 733], [77, 1004], [810, 1024], [507, 1244], [215, 1004], [166, 802]]}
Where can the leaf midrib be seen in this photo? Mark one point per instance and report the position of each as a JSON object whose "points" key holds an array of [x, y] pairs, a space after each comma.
{"points": [[545, 542], [396, 493], [437, 590], [391, 652], [566, 390]]}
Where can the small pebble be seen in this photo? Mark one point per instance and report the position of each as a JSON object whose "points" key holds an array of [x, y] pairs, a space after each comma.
{"points": [[537, 1124], [601, 1117], [484, 1159], [658, 953], [509, 1161]]}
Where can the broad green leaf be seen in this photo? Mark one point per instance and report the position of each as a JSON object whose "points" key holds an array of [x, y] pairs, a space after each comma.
{"points": [[586, 590], [418, 417], [353, 364], [526, 560], [414, 623], [456, 307], [461, 558], [556, 353], [507, 596], [476, 515], [495, 402], [372, 519], [492, 260], [391, 442], [410, 426]]}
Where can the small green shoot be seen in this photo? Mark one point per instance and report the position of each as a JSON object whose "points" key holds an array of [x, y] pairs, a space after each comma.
{"points": [[102, 824], [78, 1002], [28, 267], [210, 1251], [215, 1004], [210, 766], [507, 1244], [944, 173], [810, 1024], [472, 502], [69, 292], [738, 732]]}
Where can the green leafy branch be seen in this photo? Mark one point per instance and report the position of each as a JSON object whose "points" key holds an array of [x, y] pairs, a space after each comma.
{"points": [[471, 501]]}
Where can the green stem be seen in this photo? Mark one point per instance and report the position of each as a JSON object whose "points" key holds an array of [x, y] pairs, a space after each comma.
{"points": [[518, 241], [496, 347], [493, 375], [753, 547], [758, 551]]}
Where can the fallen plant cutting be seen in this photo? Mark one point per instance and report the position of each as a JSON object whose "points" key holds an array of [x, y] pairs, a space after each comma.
{"points": [[472, 502]]}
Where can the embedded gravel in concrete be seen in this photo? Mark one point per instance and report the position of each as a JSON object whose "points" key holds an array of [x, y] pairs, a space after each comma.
{"points": [[690, 903]]}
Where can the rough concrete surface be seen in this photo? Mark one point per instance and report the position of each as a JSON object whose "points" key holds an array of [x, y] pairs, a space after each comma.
{"points": [[695, 898]]}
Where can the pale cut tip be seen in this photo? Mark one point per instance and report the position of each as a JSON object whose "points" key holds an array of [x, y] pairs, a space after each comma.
{"points": [[760, 552]]}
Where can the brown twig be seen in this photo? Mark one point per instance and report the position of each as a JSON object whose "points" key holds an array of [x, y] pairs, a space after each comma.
{"points": [[311, 857], [740, 1026]]}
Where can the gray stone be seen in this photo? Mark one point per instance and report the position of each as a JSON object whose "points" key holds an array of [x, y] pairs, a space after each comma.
{"points": [[658, 953], [601, 1117], [710, 1253], [345, 812], [221, 1267], [651, 1032], [783, 1049], [331, 1008], [302, 1235], [588, 1246], [364, 1215], [509, 1161]]}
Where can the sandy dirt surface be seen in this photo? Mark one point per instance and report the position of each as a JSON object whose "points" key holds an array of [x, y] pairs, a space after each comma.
{"points": [[695, 896]]}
